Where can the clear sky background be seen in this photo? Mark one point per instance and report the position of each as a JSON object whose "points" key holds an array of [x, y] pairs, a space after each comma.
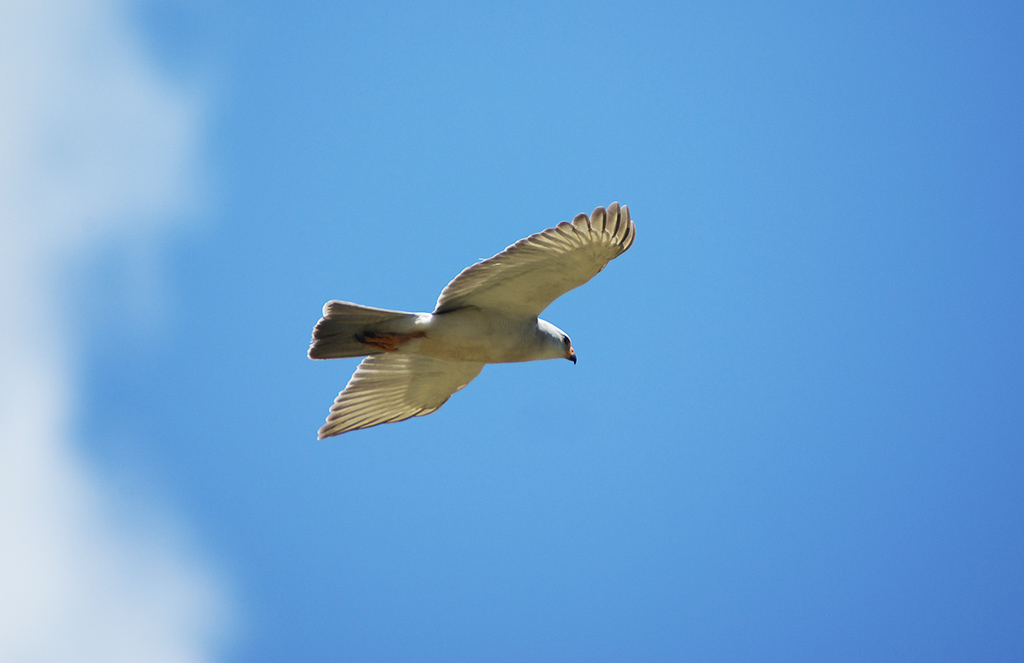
{"points": [[796, 429]]}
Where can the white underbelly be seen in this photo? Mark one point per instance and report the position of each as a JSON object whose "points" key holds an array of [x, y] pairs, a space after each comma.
{"points": [[474, 335]]}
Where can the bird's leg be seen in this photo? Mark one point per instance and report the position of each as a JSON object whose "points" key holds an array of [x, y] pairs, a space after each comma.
{"points": [[386, 341]]}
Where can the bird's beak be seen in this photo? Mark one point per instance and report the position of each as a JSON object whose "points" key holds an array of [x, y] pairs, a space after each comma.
{"points": [[571, 356]]}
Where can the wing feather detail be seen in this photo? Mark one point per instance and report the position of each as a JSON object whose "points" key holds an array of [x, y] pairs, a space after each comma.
{"points": [[527, 276], [391, 387]]}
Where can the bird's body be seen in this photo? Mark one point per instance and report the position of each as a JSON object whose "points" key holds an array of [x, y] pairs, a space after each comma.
{"points": [[472, 334], [486, 315]]}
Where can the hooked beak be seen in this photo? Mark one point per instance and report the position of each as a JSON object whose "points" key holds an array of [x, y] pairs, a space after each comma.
{"points": [[571, 356]]}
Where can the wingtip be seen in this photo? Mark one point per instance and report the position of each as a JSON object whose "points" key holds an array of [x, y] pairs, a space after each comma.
{"points": [[328, 431], [626, 227], [597, 219], [613, 221]]}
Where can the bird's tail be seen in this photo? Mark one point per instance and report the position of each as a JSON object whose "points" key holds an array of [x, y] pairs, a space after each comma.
{"points": [[351, 330]]}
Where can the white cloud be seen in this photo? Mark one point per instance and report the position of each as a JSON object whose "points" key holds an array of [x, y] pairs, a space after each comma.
{"points": [[94, 145]]}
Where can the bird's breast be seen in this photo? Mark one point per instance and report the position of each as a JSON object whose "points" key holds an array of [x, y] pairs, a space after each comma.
{"points": [[475, 335]]}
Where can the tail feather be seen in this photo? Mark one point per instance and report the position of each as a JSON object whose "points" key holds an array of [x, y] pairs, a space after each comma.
{"points": [[340, 333]]}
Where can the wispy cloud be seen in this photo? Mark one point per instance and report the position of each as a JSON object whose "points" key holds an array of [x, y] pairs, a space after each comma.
{"points": [[94, 145]]}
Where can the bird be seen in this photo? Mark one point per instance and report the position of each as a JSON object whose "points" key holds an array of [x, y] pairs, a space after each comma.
{"points": [[488, 314]]}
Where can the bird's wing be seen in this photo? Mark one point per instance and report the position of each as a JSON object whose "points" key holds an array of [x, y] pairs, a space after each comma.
{"points": [[392, 387], [526, 277]]}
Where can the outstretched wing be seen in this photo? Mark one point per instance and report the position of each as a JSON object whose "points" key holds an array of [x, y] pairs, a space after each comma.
{"points": [[526, 277], [392, 387]]}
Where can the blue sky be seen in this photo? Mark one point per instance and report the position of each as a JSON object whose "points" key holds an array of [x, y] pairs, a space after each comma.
{"points": [[795, 430]]}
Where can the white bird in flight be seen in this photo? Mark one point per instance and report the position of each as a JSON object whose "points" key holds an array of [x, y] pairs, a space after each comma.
{"points": [[487, 315]]}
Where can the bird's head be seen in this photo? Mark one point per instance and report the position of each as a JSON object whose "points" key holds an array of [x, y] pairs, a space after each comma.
{"points": [[555, 341]]}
